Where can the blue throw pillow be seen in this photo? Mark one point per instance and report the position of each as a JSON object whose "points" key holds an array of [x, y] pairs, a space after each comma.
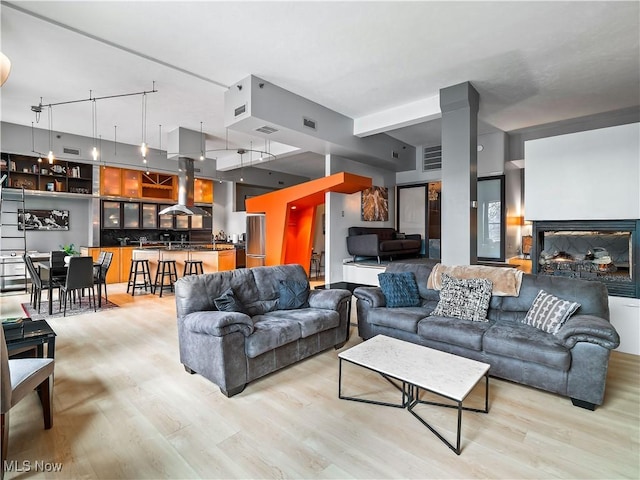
{"points": [[228, 302], [399, 289], [293, 295]]}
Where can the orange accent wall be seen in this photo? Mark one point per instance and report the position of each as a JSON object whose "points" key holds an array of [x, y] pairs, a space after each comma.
{"points": [[290, 231]]}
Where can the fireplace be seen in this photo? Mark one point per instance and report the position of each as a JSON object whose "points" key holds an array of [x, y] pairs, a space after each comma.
{"points": [[606, 251]]}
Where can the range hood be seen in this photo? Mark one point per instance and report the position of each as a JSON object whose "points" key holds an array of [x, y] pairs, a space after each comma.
{"points": [[186, 182]]}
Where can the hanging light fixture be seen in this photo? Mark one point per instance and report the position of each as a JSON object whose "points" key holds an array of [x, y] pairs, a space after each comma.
{"points": [[94, 129], [5, 68], [50, 155], [241, 152], [143, 145], [115, 140], [202, 144]]}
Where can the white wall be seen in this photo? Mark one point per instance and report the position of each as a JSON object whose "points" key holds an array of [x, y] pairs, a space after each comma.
{"points": [[593, 175], [343, 211], [624, 314]]}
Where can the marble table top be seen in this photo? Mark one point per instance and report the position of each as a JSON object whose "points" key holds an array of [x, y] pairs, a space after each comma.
{"points": [[439, 372]]}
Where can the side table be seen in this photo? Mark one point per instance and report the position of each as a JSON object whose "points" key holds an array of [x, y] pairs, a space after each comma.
{"points": [[33, 333]]}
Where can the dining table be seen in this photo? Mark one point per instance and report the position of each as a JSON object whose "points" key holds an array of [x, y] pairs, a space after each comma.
{"points": [[47, 273]]}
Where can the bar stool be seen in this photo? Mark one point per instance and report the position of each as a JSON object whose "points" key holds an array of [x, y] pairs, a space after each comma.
{"points": [[139, 267], [192, 267], [166, 268]]}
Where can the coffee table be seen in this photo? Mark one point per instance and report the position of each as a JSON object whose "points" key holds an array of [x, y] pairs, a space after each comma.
{"points": [[419, 368]]}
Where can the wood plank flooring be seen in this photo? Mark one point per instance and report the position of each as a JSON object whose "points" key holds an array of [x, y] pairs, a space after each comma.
{"points": [[125, 408]]}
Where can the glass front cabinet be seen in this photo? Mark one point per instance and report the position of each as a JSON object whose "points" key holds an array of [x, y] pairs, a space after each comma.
{"points": [[149, 215], [131, 215], [111, 214]]}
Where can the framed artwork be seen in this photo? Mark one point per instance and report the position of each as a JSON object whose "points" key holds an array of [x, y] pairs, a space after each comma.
{"points": [[43, 220], [375, 204]]}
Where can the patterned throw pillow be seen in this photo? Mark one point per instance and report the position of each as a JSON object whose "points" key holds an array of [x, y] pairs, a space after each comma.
{"points": [[399, 289], [467, 299], [293, 295], [548, 312], [228, 302]]}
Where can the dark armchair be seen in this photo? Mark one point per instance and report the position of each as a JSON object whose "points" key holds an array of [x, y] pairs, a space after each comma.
{"points": [[381, 242]]}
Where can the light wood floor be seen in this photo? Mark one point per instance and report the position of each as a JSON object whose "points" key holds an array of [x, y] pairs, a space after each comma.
{"points": [[125, 408]]}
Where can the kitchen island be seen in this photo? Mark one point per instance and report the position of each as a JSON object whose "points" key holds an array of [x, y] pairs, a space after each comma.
{"points": [[214, 259]]}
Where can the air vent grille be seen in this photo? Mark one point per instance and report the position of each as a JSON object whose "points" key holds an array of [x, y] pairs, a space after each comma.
{"points": [[240, 110], [307, 122], [432, 158], [266, 129], [395, 154], [71, 151]]}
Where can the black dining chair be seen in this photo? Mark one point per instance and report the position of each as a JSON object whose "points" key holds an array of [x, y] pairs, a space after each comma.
{"points": [[79, 277], [58, 270], [100, 272], [37, 283]]}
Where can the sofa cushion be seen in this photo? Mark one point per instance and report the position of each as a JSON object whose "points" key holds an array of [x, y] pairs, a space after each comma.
{"points": [[228, 302], [467, 299], [270, 332], [267, 280], [399, 289], [310, 320], [406, 318], [548, 312], [526, 343], [454, 331], [293, 294], [391, 245]]}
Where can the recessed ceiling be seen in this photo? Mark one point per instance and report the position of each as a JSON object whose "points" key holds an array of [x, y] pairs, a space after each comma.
{"points": [[532, 62]]}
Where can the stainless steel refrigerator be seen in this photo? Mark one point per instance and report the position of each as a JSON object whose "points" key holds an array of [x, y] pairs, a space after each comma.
{"points": [[256, 240]]}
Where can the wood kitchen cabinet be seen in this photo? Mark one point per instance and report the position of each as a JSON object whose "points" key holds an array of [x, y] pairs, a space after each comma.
{"points": [[111, 181], [203, 190], [113, 274]]}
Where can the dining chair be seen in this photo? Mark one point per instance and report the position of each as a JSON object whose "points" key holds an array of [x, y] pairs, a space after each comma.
{"points": [[37, 284], [79, 277], [58, 268], [18, 378], [100, 271]]}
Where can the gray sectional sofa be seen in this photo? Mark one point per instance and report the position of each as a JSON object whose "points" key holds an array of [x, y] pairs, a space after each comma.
{"points": [[233, 348], [572, 362]]}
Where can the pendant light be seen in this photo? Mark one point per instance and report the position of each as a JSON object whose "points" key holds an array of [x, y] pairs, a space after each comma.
{"points": [[143, 145], [115, 140], [94, 129], [50, 156], [202, 147]]}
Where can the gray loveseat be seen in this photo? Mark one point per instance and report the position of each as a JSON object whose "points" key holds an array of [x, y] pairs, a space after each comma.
{"points": [[381, 242], [573, 362], [232, 348]]}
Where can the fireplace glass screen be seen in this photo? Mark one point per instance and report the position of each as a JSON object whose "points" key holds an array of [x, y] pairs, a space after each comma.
{"points": [[605, 251]]}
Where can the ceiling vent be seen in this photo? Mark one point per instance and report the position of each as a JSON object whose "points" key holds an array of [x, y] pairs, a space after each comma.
{"points": [[71, 151], [395, 154], [240, 110], [307, 122], [432, 158], [266, 129]]}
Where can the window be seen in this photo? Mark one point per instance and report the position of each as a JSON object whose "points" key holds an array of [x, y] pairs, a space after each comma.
{"points": [[491, 218]]}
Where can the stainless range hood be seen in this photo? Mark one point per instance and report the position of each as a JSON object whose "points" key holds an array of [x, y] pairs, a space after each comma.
{"points": [[185, 204]]}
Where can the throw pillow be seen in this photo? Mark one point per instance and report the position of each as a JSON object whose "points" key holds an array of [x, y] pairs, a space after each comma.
{"points": [[400, 236], [399, 289], [293, 295], [228, 302], [548, 312], [467, 298]]}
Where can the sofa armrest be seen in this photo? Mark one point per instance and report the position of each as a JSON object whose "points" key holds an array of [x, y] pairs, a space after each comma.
{"points": [[328, 299], [218, 323], [365, 245], [372, 295], [588, 328]]}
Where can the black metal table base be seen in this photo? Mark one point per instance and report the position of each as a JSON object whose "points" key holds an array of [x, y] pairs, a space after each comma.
{"points": [[411, 398]]}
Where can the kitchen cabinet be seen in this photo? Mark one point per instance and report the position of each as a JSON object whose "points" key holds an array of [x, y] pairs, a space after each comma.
{"points": [[111, 214], [35, 173], [113, 274], [165, 221], [110, 181], [131, 185], [149, 215], [182, 222], [131, 215], [158, 185], [203, 190]]}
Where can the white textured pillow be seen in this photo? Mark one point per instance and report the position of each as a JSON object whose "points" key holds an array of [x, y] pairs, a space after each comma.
{"points": [[548, 312]]}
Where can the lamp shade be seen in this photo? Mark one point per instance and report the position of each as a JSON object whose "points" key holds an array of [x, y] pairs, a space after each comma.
{"points": [[5, 68]]}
